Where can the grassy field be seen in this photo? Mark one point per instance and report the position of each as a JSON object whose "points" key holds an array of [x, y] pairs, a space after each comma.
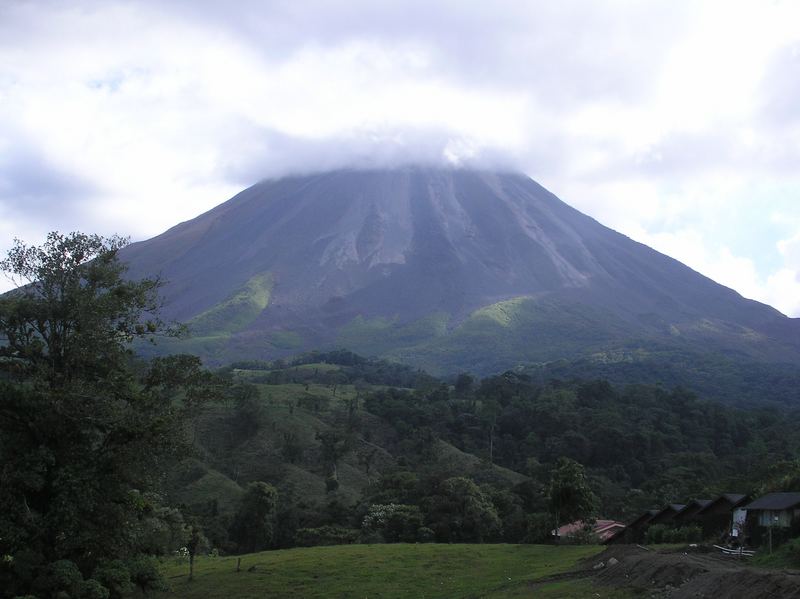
{"points": [[384, 571]]}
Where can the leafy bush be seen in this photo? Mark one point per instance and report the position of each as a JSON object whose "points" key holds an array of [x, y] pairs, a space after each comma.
{"points": [[325, 535], [91, 589], [396, 522], [661, 533], [584, 536], [115, 576], [61, 576], [792, 550], [425, 535], [540, 528], [146, 574]]}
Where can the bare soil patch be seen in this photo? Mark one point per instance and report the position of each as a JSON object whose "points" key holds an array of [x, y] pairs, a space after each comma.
{"points": [[689, 573]]}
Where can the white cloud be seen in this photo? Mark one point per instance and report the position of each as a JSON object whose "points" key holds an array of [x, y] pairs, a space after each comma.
{"points": [[780, 289], [657, 118]]}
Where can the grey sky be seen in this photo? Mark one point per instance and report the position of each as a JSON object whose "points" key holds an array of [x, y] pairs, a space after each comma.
{"points": [[677, 123]]}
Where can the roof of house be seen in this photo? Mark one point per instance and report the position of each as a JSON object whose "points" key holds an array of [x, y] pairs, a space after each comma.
{"points": [[694, 504], [613, 535], [775, 501], [602, 528], [667, 513], [734, 499], [643, 518]]}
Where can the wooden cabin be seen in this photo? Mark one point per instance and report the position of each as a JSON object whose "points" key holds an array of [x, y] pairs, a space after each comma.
{"points": [[667, 514], [689, 514], [716, 518], [632, 532], [773, 515]]}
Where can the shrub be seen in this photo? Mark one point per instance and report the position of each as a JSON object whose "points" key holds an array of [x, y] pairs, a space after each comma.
{"points": [[661, 533], [91, 589], [115, 576], [396, 522], [584, 536], [540, 528], [792, 549], [325, 535], [146, 575], [425, 535], [61, 576]]}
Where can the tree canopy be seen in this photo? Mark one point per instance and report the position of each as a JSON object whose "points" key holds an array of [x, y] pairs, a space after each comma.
{"points": [[85, 437]]}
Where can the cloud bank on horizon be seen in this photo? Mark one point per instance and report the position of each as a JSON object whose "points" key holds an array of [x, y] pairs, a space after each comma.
{"points": [[676, 123]]}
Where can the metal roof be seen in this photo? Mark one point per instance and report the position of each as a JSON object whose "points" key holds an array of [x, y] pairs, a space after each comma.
{"points": [[694, 504], [775, 501], [648, 515], [667, 513], [734, 499]]}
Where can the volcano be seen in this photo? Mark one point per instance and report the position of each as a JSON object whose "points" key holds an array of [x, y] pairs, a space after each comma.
{"points": [[449, 269]]}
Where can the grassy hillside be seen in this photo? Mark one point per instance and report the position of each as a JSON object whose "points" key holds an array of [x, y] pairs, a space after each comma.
{"points": [[386, 571], [238, 311]]}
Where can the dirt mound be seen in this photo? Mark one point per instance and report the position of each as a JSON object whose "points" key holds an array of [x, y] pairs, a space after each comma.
{"points": [[746, 583], [650, 570], [690, 574]]}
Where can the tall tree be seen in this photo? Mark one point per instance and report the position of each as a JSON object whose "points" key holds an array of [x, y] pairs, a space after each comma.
{"points": [[74, 314], [569, 494], [460, 512], [83, 441], [254, 524]]}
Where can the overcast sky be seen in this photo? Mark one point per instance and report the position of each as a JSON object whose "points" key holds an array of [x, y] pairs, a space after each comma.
{"points": [[676, 123]]}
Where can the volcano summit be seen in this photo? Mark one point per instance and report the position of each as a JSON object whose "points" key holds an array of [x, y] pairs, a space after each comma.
{"points": [[447, 269]]}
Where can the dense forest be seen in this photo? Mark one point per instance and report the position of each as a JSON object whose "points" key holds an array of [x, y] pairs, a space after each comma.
{"points": [[375, 434]]}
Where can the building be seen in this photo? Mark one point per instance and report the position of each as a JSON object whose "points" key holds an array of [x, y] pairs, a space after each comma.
{"points": [[689, 515], [667, 514], [774, 517], [602, 529], [634, 531], [716, 518]]}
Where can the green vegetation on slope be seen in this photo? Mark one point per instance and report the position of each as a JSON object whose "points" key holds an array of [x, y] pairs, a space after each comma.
{"points": [[238, 311], [385, 571], [338, 434], [382, 335], [495, 337]]}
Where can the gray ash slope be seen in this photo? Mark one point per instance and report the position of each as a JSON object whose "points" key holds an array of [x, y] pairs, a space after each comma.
{"points": [[351, 253]]}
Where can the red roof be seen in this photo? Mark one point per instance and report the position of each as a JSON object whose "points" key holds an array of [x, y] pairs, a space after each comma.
{"points": [[602, 528]]}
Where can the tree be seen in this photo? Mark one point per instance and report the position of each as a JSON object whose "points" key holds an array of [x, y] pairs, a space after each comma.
{"points": [[570, 497], [334, 445], [460, 512], [74, 315], [397, 523], [254, 524], [195, 544], [463, 384], [83, 440]]}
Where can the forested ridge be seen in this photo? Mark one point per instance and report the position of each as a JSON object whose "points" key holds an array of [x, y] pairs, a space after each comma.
{"points": [[378, 434]]}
